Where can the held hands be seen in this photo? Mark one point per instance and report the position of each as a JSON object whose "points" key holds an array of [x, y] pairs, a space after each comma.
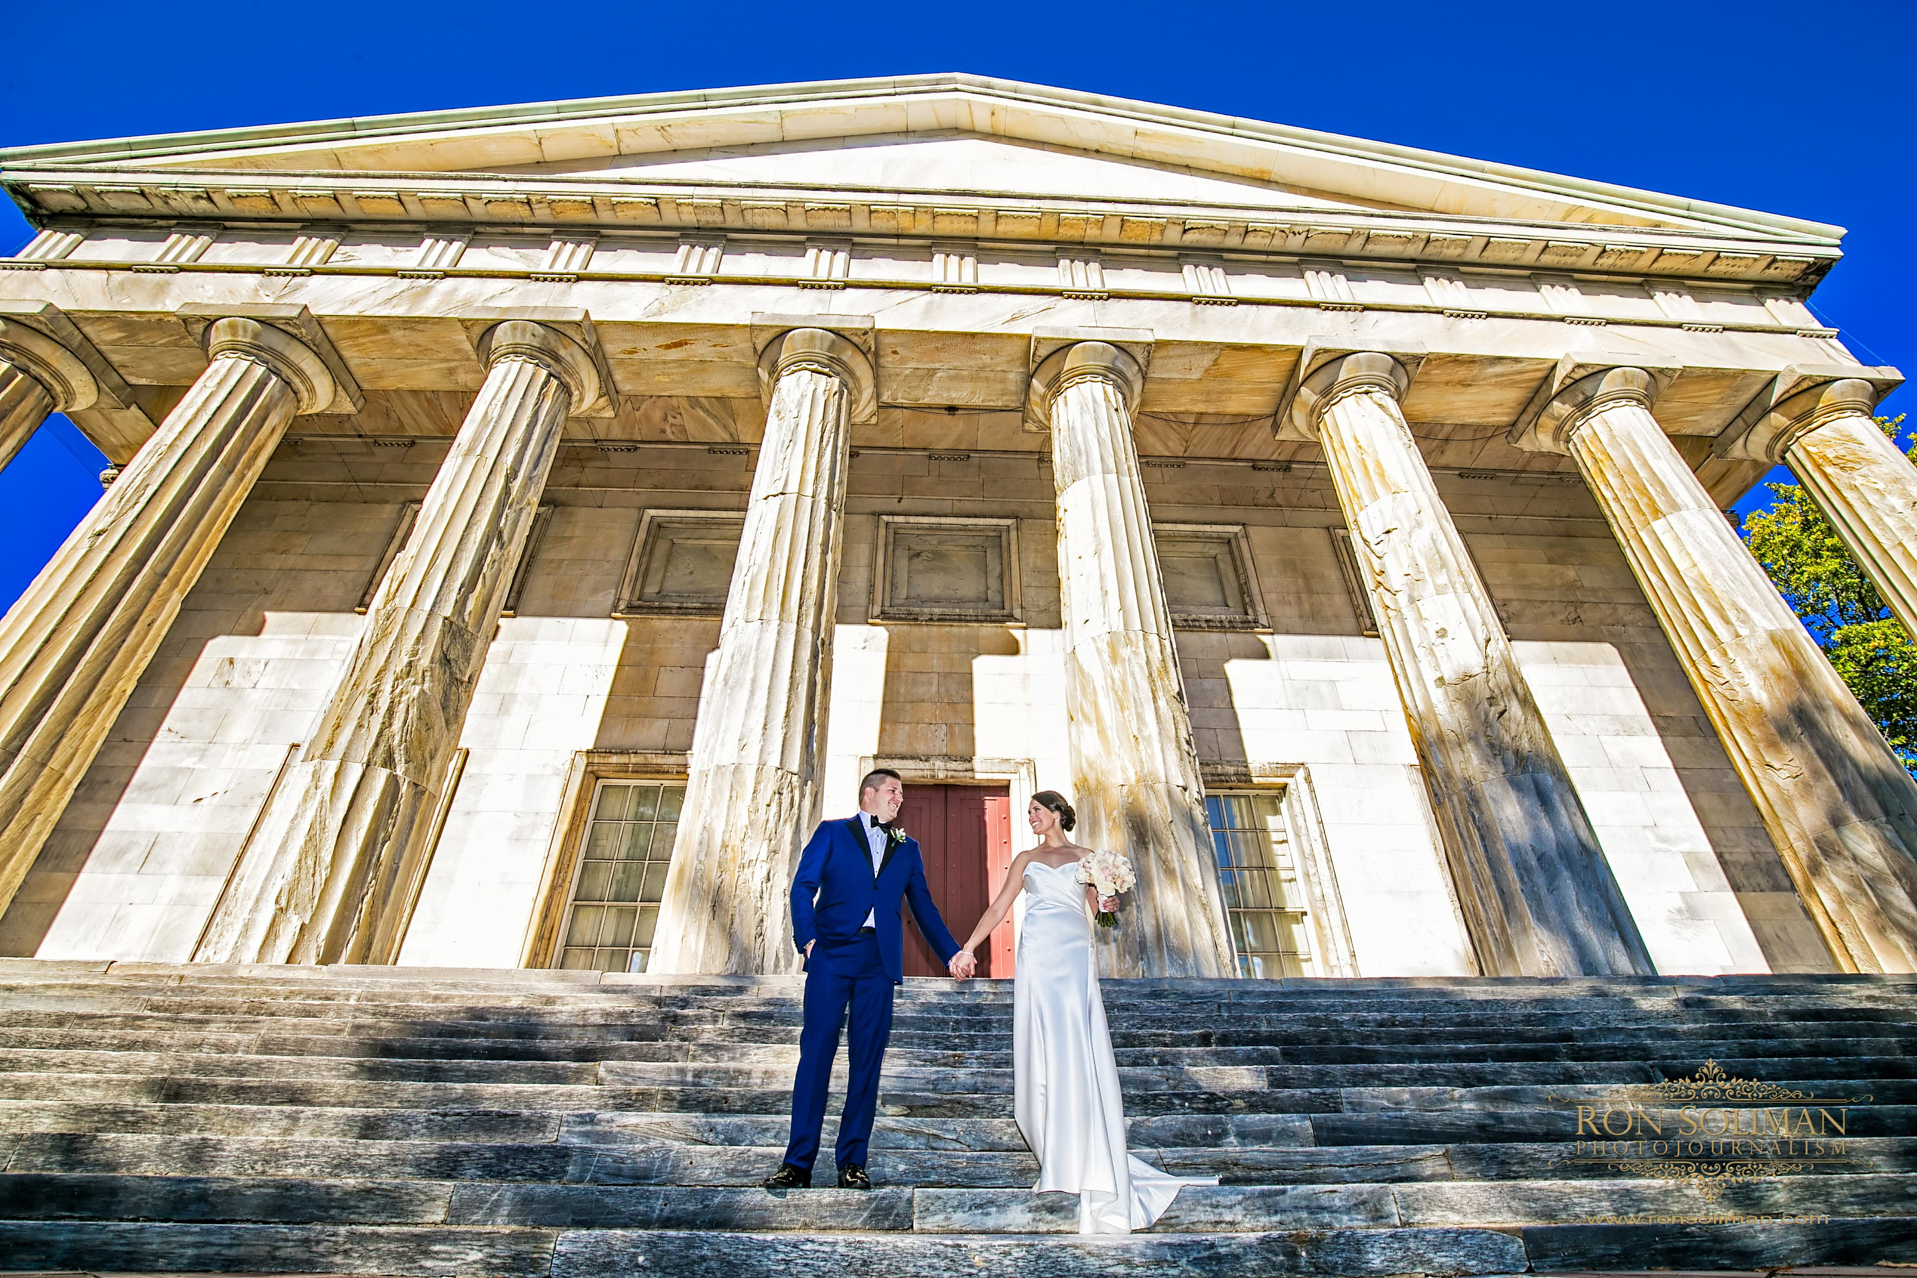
{"points": [[964, 965]]}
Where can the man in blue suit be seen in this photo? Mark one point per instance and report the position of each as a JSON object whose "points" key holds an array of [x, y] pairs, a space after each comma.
{"points": [[845, 919]]}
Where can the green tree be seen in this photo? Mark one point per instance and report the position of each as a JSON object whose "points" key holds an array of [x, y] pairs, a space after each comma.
{"points": [[1839, 606]]}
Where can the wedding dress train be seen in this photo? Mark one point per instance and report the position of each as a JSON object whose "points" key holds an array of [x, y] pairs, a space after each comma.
{"points": [[1068, 1103]]}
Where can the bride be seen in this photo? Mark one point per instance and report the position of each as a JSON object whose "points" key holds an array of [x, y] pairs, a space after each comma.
{"points": [[1068, 1103]]}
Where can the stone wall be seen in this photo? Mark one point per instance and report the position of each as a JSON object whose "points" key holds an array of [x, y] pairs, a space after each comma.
{"points": [[140, 856]]}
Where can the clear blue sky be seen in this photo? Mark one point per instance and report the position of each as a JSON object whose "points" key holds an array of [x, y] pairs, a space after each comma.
{"points": [[1791, 109]]}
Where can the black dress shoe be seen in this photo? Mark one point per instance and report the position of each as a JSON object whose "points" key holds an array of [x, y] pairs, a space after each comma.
{"points": [[852, 1176], [790, 1177]]}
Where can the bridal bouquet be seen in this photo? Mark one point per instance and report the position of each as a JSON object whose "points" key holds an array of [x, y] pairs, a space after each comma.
{"points": [[1110, 875]]}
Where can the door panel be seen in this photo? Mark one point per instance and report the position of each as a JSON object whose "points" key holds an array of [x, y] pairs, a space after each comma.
{"points": [[964, 837]]}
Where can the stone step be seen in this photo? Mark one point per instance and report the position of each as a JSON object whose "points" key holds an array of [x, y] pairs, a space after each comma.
{"points": [[699, 1254], [259, 1010], [739, 1165], [1496, 1120], [264, 1001], [898, 1075], [480, 1126], [152, 1247], [363, 1039], [1213, 1209], [1304, 1094]]}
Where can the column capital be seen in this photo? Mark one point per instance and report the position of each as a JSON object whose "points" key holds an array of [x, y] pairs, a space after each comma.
{"points": [[60, 373], [288, 358], [1575, 390], [294, 324], [553, 351], [48, 321], [1077, 361], [828, 351], [1800, 399], [1326, 375]]}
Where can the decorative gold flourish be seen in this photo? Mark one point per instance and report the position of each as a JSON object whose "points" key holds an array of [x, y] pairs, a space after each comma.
{"points": [[1708, 1179], [1710, 1082]]}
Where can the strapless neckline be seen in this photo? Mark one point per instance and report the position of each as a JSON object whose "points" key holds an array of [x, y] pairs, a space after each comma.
{"points": [[1070, 865]]}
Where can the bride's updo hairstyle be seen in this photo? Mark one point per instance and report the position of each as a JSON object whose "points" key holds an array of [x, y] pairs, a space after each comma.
{"points": [[1067, 816]]}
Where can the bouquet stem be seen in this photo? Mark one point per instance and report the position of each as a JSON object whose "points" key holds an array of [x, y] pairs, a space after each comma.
{"points": [[1105, 918]]}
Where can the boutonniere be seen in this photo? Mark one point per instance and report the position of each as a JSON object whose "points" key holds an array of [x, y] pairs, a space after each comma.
{"points": [[895, 836]]}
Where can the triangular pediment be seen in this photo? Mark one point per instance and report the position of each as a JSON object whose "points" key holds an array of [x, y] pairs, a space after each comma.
{"points": [[920, 134], [916, 164]]}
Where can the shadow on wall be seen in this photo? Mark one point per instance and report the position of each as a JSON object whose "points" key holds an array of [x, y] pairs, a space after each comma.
{"points": [[162, 811], [928, 706], [1610, 609]]}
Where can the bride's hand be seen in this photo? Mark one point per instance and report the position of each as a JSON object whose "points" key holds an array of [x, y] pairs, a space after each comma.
{"points": [[1108, 904]]}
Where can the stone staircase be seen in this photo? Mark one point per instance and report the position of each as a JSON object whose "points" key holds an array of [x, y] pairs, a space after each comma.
{"points": [[411, 1121]]}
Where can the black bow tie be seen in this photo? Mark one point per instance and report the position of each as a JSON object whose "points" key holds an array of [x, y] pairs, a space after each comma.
{"points": [[882, 825]]}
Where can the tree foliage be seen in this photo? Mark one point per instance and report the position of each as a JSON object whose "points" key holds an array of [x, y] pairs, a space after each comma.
{"points": [[1842, 610]]}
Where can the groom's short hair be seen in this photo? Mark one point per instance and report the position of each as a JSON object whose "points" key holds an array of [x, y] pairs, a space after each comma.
{"points": [[875, 778]]}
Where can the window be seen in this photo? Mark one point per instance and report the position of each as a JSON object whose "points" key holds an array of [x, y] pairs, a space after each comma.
{"points": [[681, 563], [933, 569], [621, 876], [1258, 870], [1341, 545], [1209, 584]]}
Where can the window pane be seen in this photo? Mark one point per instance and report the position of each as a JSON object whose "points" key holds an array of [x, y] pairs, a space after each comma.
{"points": [[585, 926], [648, 919], [617, 929], [577, 960], [671, 799], [638, 837], [593, 877], [626, 879], [655, 882], [604, 839], [612, 802], [645, 802], [662, 835]]}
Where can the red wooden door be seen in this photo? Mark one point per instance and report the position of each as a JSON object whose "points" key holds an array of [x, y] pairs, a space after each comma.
{"points": [[965, 837]]}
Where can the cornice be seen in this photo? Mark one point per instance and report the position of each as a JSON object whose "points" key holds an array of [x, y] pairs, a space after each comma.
{"points": [[1140, 131], [596, 204]]}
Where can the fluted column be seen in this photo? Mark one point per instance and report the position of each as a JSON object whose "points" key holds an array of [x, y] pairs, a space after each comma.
{"points": [[75, 644], [752, 794], [1862, 483], [1537, 893], [1841, 810], [37, 377], [338, 846], [1135, 775]]}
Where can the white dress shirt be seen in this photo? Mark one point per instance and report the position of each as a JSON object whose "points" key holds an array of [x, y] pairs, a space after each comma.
{"points": [[875, 842]]}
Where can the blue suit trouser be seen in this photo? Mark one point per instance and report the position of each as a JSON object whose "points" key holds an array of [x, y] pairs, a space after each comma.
{"points": [[838, 978]]}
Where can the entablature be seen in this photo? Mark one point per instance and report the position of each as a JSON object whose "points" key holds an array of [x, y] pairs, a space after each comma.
{"points": [[242, 199], [952, 368]]}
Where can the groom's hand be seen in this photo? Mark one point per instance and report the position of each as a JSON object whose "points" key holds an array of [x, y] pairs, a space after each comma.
{"points": [[963, 966], [808, 949]]}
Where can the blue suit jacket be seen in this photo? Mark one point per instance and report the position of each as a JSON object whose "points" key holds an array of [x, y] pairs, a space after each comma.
{"points": [[835, 889]]}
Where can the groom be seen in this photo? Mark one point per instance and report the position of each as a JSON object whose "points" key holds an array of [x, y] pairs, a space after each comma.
{"points": [[845, 919]]}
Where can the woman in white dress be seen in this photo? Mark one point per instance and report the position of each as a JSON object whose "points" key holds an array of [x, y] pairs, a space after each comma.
{"points": [[1067, 1099]]}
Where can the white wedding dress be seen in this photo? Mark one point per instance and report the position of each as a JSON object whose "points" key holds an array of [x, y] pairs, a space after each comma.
{"points": [[1068, 1103]]}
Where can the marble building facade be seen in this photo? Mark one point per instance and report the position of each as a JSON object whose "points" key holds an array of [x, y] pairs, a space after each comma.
{"points": [[512, 497]]}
